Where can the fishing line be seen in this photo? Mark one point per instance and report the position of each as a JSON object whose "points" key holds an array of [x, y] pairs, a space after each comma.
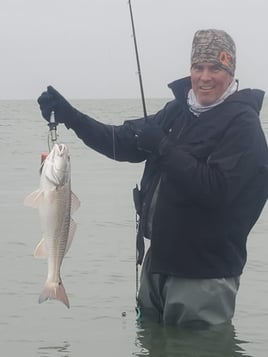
{"points": [[113, 143]]}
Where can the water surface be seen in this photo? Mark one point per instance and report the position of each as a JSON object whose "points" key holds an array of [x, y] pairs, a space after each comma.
{"points": [[99, 270]]}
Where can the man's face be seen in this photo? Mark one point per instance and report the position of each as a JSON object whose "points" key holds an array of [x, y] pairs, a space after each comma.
{"points": [[209, 82]]}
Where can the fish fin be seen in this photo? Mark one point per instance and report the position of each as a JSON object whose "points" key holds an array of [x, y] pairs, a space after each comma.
{"points": [[72, 230], [41, 250], [75, 202], [33, 199], [54, 291]]}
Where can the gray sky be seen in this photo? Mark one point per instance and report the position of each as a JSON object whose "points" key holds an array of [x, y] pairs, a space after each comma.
{"points": [[85, 47]]}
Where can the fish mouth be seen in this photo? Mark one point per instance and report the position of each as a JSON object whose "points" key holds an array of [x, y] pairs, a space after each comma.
{"points": [[61, 149], [57, 165]]}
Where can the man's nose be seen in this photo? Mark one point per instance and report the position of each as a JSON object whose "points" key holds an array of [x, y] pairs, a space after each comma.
{"points": [[205, 75]]}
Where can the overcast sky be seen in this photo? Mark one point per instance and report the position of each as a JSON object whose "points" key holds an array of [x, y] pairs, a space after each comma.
{"points": [[85, 47]]}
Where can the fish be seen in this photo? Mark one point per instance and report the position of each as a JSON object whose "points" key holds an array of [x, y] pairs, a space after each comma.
{"points": [[56, 203]]}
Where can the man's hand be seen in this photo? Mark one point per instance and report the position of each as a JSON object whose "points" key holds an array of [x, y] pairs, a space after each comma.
{"points": [[52, 100]]}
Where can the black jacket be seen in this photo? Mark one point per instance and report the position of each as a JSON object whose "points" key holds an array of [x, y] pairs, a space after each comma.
{"points": [[200, 198]]}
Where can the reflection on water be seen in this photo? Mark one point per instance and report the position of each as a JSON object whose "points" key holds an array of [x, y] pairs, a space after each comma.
{"points": [[61, 351], [161, 341]]}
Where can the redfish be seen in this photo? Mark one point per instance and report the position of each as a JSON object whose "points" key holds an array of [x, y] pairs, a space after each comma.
{"points": [[56, 204]]}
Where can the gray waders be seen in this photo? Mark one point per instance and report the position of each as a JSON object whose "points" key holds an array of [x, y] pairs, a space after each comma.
{"points": [[174, 300]]}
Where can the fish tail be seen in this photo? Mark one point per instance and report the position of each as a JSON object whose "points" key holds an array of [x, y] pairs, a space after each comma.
{"points": [[54, 291]]}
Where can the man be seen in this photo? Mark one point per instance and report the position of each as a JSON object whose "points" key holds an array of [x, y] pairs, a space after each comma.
{"points": [[203, 188]]}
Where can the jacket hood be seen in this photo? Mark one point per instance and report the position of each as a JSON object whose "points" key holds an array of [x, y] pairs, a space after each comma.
{"points": [[251, 97]]}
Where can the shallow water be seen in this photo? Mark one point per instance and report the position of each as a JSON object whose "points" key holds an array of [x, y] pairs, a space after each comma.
{"points": [[99, 270]]}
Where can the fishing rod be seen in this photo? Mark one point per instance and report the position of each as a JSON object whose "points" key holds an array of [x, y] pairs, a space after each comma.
{"points": [[135, 191], [137, 59]]}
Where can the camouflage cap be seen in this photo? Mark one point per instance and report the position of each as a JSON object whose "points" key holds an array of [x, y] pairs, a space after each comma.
{"points": [[214, 46]]}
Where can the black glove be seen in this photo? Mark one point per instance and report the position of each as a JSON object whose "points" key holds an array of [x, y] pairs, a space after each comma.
{"points": [[152, 139], [52, 100]]}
